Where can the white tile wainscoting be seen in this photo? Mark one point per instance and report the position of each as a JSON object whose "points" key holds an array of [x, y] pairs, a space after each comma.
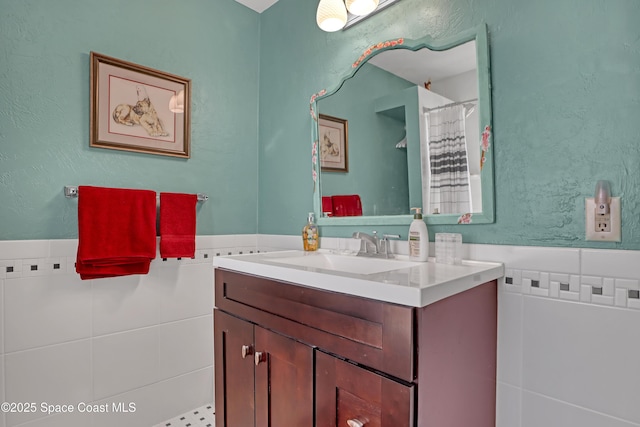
{"points": [[145, 340], [568, 346]]}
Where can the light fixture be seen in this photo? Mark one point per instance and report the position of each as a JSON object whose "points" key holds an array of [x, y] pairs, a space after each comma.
{"points": [[361, 7], [331, 15], [176, 103]]}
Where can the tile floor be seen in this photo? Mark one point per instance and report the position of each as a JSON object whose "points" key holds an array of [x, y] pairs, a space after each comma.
{"points": [[199, 417]]}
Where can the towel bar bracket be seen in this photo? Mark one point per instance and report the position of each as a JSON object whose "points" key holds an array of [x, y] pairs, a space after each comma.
{"points": [[71, 191]]}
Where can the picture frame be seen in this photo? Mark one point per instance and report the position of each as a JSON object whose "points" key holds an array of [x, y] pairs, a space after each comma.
{"points": [[333, 143], [136, 108]]}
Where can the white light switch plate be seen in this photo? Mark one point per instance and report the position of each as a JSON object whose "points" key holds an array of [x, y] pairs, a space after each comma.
{"points": [[590, 221]]}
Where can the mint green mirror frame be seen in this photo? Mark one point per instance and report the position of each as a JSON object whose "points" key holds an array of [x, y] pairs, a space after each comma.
{"points": [[487, 216]]}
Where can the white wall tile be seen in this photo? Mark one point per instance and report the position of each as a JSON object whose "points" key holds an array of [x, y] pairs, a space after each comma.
{"points": [[59, 374], [46, 310], [75, 419], [585, 293], [508, 405], [611, 263], [539, 411], [2, 399], [583, 354], [280, 242], [510, 338], [125, 361], [552, 260], [160, 401], [228, 241], [63, 248], [123, 303], [185, 292], [186, 346], [621, 297], [20, 249], [2, 311]]}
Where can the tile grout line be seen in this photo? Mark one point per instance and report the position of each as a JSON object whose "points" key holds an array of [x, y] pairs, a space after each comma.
{"points": [[521, 394], [604, 414]]}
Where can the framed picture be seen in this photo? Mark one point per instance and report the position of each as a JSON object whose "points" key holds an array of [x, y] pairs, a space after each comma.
{"points": [[333, 134], [135, 108]]}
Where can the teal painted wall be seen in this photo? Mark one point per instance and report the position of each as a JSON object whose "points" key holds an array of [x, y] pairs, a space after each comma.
{"points": [[44, 107], [371, 140], [566, 79]]}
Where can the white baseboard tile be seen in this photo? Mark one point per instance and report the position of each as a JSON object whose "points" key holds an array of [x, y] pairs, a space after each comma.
{"points": [[508, 405], [539, 410], [160, 401]]}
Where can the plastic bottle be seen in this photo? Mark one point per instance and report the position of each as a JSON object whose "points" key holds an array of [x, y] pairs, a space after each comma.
{"points": [[418, 238], [310, 234]]}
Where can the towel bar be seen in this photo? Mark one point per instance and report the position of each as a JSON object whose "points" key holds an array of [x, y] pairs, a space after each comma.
{"points": [[71, 191]]}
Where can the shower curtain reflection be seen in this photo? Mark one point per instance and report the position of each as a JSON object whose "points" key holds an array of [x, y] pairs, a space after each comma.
{"points": [[446, 162]]}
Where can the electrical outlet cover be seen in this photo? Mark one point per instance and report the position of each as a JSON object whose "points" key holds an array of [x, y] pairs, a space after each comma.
{"points": [[590, 222]]}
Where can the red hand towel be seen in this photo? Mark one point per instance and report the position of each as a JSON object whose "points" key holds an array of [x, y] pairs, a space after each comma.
{"points": [[177, 225], [327, 205], [116, 232], [348, 205]]}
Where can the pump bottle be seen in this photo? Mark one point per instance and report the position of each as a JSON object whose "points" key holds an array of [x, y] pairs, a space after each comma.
{"points": [[310, 234], [418, 238]]}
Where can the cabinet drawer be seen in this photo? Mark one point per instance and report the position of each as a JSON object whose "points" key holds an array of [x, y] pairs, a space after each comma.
{"points": [[373, 333], [347, 395]]}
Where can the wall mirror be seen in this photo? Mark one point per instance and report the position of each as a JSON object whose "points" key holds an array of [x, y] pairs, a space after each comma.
{"points": [[410, 126]]}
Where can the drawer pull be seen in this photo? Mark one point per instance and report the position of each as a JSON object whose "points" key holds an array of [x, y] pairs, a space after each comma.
{"points": [[355, 423], [259, 357], [246, 350]]}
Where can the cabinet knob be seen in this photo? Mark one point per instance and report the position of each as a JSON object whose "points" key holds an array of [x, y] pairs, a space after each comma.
{"points": [[355, 423], [259, 357], [246, 350]]}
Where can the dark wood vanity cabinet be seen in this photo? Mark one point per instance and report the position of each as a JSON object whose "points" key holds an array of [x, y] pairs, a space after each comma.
{"points": [[289, 355], [265, 379]]}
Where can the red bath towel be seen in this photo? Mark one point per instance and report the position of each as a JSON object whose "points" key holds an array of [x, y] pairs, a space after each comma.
{"points": [[177, 225], [116, 232], [347, 205]]}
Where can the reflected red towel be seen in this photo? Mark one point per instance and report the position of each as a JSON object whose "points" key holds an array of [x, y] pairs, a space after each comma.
{"points": [[177, 225], [116, 232], [347, 205], [327, 205]]}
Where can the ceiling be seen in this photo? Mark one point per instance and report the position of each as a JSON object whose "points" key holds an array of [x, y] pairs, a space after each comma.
{"points": [[257, 5], [416, 67]]}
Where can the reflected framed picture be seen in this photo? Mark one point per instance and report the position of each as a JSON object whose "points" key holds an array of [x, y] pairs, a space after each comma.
{"points": [[136, 108], [333, 141]]}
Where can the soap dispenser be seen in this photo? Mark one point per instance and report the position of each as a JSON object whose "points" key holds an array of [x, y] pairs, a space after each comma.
{"points": [[418, 238], [310, 234]]}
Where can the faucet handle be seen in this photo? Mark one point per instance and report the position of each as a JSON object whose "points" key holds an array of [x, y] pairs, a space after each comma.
{"points": [[385, 247]]}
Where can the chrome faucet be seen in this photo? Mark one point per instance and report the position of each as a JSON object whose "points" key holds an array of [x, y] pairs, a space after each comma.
{"points": [[372, 246]]}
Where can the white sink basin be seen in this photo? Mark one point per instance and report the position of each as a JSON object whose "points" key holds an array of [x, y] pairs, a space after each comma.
{"points": [[345, 263]]}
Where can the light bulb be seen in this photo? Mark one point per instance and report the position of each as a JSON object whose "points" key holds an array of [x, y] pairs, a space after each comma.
{"points": [[176, 103], [361, 7], [331, 15]]}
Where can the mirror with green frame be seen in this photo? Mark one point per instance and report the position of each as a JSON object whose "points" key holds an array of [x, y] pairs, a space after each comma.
{"points": [[408, 126]]}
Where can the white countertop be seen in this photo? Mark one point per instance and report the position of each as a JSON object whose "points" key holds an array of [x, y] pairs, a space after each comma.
{"points": [[417, 286]]}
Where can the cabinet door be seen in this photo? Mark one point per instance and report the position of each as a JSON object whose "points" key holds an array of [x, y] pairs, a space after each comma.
{"points": [[234, 363], [284, 381], [347, 395]]}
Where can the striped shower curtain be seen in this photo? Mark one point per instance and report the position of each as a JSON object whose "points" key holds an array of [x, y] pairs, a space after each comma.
{"points": [[444, 162]]}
